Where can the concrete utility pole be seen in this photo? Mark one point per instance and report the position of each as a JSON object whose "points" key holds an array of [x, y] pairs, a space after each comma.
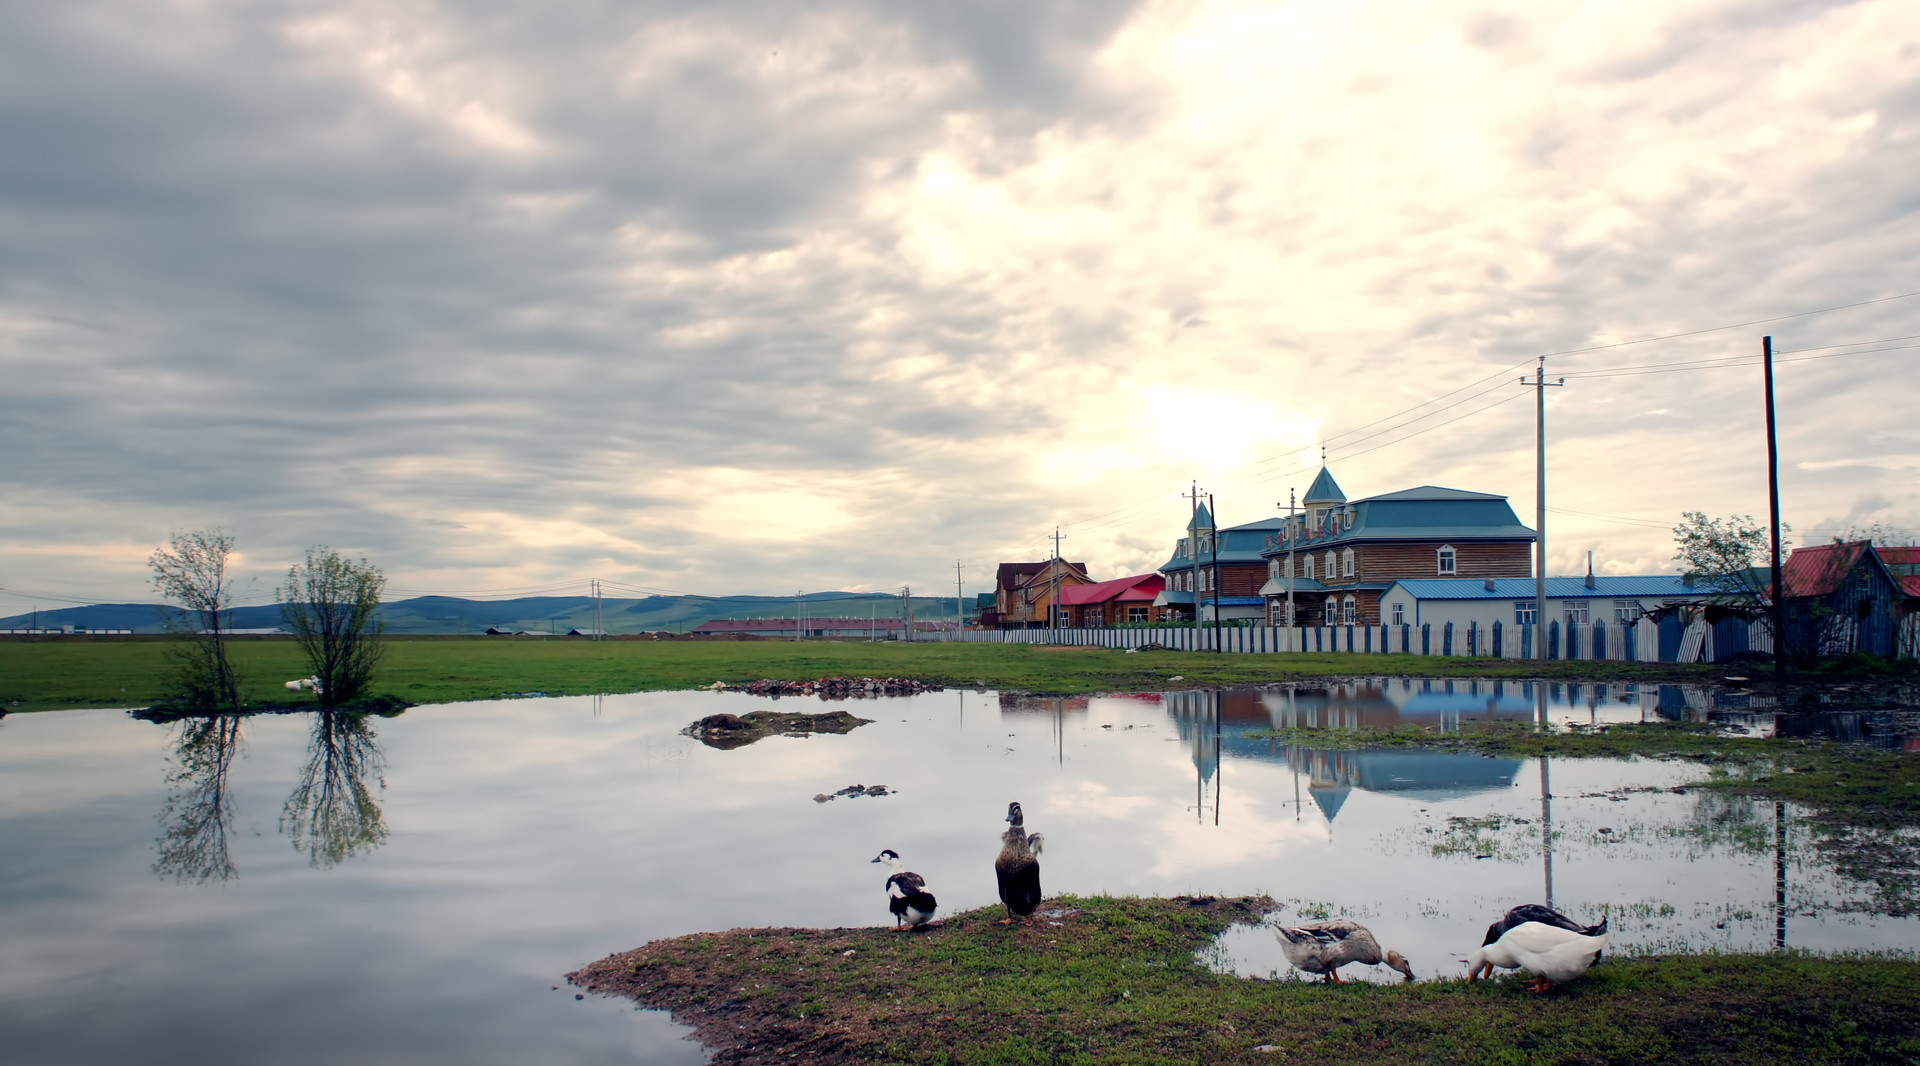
{"points": [[1215, 582], [1291, 539], [1773, 507], [1193, 554], [906, 611], [1053, 604], [800, 613], [959, 619], [1540, 384]]}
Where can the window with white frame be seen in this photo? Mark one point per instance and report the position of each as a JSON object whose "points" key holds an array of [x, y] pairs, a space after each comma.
{"points": [[1306, 567], [1330, 570], [1449, 560], [1273, 570], [1625, 611], [1346, 520], [1348, 610], [1399, 614], [1523, 612], [1332, 613], [1576, 612], [1346, 563], [1137, 614]]}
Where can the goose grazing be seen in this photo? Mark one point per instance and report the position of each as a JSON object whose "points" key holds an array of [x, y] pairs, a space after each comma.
{"points": [[1534, 912], [907, 896], [1017, 869], [1324, 947], [1552, 954]]}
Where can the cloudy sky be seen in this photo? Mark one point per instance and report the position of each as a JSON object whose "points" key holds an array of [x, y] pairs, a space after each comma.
{"points": [[755, 297]]}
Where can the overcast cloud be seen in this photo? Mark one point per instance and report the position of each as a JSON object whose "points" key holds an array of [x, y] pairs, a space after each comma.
{"points": [[754, 297]]}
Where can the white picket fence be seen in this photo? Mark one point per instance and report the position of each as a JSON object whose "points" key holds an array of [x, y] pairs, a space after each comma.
{"points": [[1639, 643]]}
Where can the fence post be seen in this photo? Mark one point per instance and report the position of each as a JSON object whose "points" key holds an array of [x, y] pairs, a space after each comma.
{"points": [[1599, 641], [1496, 639], [1446, 640], [1553, 639], [1426, 638]]}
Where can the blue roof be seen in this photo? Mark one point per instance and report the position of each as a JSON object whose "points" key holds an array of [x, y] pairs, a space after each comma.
{"points": [[1558, 588], [1236, 544], [1324, 489], [1430, 512], [1202, 518]]}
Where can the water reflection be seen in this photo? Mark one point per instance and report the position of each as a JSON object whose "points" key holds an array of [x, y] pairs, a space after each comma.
{"points": [[331, 814], [197, 815]]}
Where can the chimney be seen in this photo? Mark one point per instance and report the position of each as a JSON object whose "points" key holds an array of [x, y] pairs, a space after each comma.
{"points": [[1590, 582], [1489, 584]]}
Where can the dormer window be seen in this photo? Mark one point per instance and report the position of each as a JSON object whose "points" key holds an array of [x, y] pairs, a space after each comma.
{"points": [[1449, 561], [1346, 563], [1346, 520]]}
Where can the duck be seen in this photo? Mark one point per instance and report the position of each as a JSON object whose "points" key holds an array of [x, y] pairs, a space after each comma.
{"points": [[907, 896], [1553, 955], [1534, 912], [1323, 947], [1018, 867]]}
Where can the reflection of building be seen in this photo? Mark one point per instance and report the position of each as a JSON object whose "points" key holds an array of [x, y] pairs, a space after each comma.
{"points": [[1216, 724]]}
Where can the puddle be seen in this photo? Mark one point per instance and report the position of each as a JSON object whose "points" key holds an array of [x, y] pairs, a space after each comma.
{"points": [[505, 843]]}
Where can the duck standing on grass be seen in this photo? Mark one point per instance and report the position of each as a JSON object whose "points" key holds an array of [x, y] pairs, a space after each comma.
{"points": [[907, 896], [1324, 947], [1017, 869], [1534, 912], [1551, 954]]}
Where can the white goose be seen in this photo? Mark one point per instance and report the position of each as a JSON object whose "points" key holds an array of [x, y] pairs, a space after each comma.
{"points": [[1553, 955]]}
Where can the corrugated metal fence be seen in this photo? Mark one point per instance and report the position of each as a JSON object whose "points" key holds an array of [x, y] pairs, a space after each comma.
{"points": [[1643, 641]]}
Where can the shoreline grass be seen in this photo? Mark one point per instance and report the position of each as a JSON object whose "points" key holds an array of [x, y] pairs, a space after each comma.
{"points": [[47, 673], [1116, 980]]}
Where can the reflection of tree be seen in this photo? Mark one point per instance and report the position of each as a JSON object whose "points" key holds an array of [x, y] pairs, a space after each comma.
{"points": [[199, 808], [331, 815]]}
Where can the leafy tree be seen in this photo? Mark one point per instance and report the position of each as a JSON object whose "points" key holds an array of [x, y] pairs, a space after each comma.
{"points": [[1716, 553], [331, 602], [192, 572]]}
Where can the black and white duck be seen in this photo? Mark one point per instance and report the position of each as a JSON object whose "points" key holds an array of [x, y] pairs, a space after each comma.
{"points": [[907, 896], [1018, 867], [1552, 954], [1324, 947], [1534, 912]]}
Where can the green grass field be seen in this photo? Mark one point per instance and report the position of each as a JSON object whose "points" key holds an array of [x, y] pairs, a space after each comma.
{"points": [[63, 672]]}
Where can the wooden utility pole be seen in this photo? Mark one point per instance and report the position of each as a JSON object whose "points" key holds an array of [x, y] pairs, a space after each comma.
{"points": [[1773, 513], [1540, 384], [1193, 554], [1053, 603], [1215, 570], [959, 618]]}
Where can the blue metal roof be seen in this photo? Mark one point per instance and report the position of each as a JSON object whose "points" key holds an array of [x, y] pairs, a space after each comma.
{"points": [[1429, 512], [1202, 518], [1324, 489], [1235, 544], [1558, 588]]}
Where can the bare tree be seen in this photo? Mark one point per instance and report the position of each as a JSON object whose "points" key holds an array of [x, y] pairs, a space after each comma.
{"points": [[192, 572], [331, 603]]}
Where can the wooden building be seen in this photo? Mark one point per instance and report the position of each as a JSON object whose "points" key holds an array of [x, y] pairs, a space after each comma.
{"points": [[1344, 555], [1216, 570], [1023, 592], [1116, 602], [1841, 598]]}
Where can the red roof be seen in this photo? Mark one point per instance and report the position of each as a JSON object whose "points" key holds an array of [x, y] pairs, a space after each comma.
{"points": [[1818, 569], [1905, 564], [1119, 590]]}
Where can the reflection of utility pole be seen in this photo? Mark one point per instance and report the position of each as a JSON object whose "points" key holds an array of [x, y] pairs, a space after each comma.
{"points": [[1546, 825], [1779, 873], [1540, 516]]}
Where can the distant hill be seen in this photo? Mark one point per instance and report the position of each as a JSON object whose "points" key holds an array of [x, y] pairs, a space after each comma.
{"points": [[557, 614]]}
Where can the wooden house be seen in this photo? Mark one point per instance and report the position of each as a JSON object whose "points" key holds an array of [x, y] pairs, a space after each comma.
{"points": [[1023, 592], [1841, 598], [1111, 603], [1344, 554]]}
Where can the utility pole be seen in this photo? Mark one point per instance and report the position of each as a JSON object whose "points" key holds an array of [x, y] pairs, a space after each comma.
{"points": [[1053, 603], [800, 613], [1193, 553], [1773, 507], [1540, 384], [1215, 582], [1291, 539], [906, 610], [959, 619]]}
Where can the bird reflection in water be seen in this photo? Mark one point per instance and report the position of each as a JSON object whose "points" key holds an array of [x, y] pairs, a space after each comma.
{"points": [[198, 811], [331, 814]]}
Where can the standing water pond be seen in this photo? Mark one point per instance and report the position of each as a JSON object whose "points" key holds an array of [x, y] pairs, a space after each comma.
{"points": [[320, 888]]}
